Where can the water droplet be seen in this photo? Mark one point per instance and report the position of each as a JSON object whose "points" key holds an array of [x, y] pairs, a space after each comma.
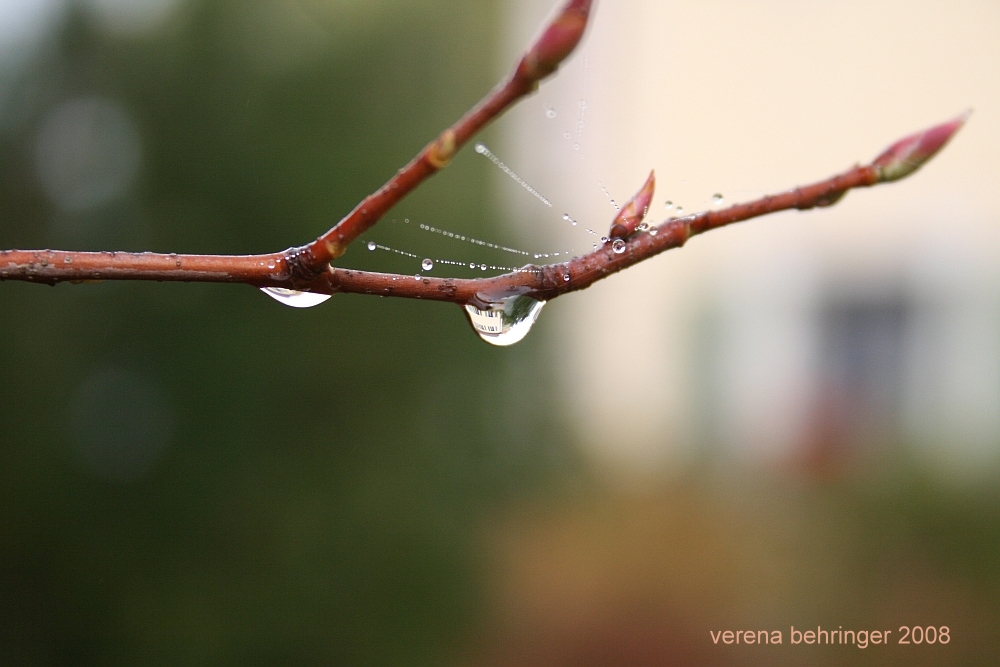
{"points": [[643, 226], [717, 199], [427, 264], [505, 321], [482, 266], [566, 277], [670, 204], [680, 209], [576, 147], [372, 245], [481, 149], [654, 231], [472, 265], [567, 135], [417, 277], [604, 239], [270, 264], [550, 113], [618, 246], [294, 298], [406, 220]]}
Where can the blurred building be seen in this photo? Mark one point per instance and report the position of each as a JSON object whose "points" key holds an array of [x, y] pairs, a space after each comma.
{"points": [[814, 337]]}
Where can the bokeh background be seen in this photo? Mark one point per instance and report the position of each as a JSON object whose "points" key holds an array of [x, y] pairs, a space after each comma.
{"points": [[791, 422]]}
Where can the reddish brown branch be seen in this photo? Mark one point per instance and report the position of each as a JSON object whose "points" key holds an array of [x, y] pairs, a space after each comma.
{"points": [[547, 282], [307, 268], [543, 58]]}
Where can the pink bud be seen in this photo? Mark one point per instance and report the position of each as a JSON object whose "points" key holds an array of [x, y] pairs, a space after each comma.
{"points": [[907, 155], [634, 211], [556, 42]]}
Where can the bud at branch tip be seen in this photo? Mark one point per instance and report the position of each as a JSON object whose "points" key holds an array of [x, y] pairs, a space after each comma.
{"points": [[909, 154], [556, 42]]}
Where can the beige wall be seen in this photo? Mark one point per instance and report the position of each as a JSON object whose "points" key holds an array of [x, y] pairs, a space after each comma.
{"points": [[743, 98]]}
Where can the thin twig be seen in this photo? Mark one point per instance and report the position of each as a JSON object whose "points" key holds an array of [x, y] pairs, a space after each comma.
{"points": [[307, 268]]}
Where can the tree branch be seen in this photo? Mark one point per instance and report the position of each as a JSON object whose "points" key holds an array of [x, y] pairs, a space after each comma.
{"points": [[630, 240]]}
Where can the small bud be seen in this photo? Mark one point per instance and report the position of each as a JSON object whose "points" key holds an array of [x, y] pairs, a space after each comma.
{"points": [[907, 155], [442, 150], [556, 42], [634, 211]]}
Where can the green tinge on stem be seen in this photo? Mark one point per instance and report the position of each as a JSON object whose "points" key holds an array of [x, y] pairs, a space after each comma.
{"points": [[556, 42], [909, 154]]}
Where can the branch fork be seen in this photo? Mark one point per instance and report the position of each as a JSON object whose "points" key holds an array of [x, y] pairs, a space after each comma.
{"points": [[630, 240]]}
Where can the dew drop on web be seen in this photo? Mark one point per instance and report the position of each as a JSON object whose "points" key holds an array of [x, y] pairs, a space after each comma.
{"points": [[294, 298], [427, 264], [505, 321]]}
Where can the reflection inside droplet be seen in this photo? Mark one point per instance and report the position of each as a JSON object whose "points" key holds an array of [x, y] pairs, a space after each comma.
{"points": [[506, 321], [294, 298]]}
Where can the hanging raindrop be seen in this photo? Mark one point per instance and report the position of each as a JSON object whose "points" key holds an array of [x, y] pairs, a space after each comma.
{"points": [[505, 321], [372, 245], [294, 298], [427, 264]]}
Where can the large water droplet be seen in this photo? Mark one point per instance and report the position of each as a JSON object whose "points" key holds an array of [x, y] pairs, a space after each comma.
{"points": [[618, 246], [294, 298], [427, 264], [372, 245], [506, 321]]}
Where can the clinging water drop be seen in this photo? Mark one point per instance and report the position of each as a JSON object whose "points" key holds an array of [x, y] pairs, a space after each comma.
{"points": [[506, 321], [427, 264], [294, 298]]}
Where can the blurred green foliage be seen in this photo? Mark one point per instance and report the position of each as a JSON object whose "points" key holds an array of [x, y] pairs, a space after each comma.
{"points": [[327, 469], [332, 477]]}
